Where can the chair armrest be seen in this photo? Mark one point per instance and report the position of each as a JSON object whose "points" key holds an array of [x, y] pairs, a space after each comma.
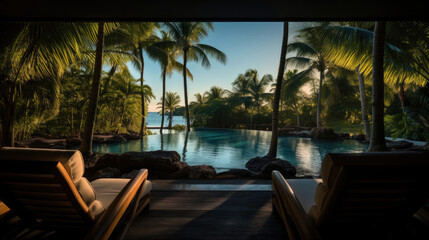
{"points": [[110, 218], [294, 216]]}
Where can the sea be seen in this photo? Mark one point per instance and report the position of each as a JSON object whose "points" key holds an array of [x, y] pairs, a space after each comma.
{"points": [[153, 119]]}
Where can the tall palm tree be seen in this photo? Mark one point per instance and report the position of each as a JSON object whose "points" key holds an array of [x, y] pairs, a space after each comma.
{"points": [[171, 101], [309, 55], [187, 37], [86, 144], [168, 64], [138, 38], [377, 141], [272, 152]]}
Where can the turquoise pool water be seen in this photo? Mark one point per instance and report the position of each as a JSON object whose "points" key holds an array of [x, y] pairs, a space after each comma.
{"points": [[229, 148]]}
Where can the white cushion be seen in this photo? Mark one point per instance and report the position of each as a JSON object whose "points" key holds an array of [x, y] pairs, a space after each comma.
{"points": [[108, 188], [304, 190]]}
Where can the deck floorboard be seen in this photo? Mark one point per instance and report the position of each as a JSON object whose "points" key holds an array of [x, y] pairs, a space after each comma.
{"points": [[208, 214]]}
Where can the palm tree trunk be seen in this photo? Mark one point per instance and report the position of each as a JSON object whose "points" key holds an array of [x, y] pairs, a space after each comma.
{"points": [[296, 111], [402, 97], [8, 117], [363, 103], [319, 97], [164, 73], [185, 86], [377, 140], [272, 152], [124, 107], [143, 104], [86, 144], [170, 123]]}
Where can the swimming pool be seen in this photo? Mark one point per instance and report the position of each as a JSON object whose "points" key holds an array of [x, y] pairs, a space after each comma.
{"points": [[225, 149]]}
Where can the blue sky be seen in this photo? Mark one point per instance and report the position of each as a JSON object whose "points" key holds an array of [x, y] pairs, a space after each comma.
{"points": [[247, 45]]}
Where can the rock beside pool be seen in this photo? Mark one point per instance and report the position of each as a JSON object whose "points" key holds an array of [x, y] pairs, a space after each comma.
{"points": [[46, 143], [294, 131], [323, 133], [161, 165], [399, 144], [263, 166], [195, 172]]}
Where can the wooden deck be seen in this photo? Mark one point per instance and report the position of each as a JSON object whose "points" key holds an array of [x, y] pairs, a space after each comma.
{"points": [[212, 209]]}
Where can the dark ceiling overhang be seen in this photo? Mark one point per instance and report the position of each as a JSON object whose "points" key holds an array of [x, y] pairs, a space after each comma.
{"points": [[220, 10]]}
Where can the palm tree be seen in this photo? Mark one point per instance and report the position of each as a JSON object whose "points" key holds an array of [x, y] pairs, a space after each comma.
{"points": [[291, 88], [309, 55], [257, 87], [240, 88], [201, 99], [377, 141], [272, 152], [171, 102], [216, 93], [168, 64], [86, 144], [127, 89], [35, 51], [138, 38], [349, 45], [187, 36]]}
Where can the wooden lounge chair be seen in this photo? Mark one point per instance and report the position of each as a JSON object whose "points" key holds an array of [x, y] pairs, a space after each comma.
{"points": [[47, 191], [357, 192]]}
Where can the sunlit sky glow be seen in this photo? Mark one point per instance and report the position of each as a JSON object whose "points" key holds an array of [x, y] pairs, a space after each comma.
{"points": [[247, 45]]}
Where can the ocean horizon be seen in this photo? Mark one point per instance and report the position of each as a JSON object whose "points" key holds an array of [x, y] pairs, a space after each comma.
{"points": [[153, 119]]}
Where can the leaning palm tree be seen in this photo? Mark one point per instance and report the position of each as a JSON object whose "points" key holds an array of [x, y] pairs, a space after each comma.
{"points": [[86, 144], [187, 37], [171, 101], [272, 152]]}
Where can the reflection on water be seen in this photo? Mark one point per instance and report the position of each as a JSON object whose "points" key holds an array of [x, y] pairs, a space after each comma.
{"points": [[227, 148]]}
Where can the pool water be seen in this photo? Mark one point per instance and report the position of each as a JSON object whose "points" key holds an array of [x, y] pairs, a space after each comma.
{"points": [[225, 149]]}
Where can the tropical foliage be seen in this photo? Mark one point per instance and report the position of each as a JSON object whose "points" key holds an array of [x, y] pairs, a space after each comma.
{"points": [[47, 72]]}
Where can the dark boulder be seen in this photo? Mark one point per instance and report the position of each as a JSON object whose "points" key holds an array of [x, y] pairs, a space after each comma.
{"points": [[358, 137], [73, 142], [343, 136], [168, 161], [399, 144], [263, 166], [47, 143], [195, 172], [323, 133], [130, 136]]}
